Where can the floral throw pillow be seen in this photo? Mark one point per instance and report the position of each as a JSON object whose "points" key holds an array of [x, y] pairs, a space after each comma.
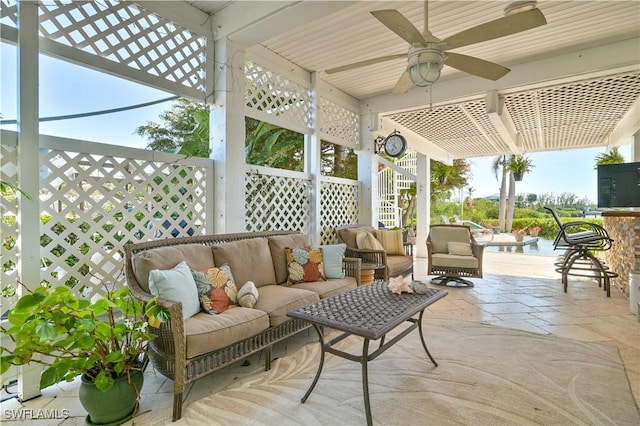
{"points": [[216, 289], [304, 265]]}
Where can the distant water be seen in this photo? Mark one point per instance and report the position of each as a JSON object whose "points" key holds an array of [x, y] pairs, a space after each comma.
{"points": [[540, 247]]}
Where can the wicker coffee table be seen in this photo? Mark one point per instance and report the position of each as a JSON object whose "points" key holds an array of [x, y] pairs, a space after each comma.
{"points": [[370, 312]]}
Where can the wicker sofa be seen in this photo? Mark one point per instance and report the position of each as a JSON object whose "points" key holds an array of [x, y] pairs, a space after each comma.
{"points": [[188, 349]]}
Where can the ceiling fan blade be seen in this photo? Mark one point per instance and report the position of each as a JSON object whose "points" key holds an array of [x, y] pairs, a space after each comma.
{"points": [[400, 25], [500, 27], [475, 66], [365, 63], [403, 85]]}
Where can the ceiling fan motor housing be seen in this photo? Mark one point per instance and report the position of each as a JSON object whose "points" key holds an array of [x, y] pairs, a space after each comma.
{"points": [[425, 63]]}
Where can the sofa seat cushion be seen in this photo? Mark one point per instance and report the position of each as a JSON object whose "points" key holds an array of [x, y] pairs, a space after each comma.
{"points": [[277, 300], [397, 264], [454, 261], [277, 244], [330, 287], [205, 333], [250, 260], [197, 257]]}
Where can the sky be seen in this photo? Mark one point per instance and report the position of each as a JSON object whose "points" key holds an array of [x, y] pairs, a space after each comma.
{"points": [[66, 88]]}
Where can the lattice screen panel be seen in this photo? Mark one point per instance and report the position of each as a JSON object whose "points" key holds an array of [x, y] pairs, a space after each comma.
{"points": [[558, 113], [338, 124], [454, 128], [277, 203], [123, 33], [274, 94], [93, 204], [9, 228], [338, 206]]}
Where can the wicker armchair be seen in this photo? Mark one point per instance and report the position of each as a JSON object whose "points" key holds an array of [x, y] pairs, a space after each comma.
{"points": [[394, 265], [453, 254]]}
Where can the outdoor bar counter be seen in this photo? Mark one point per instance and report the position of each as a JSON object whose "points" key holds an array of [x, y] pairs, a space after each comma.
{"points": [[624, 256]]}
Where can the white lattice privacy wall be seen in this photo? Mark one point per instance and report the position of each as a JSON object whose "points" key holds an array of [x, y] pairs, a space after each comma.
{"points": [[93, 203], [277, 200], [338, 206], [126, 34], [9, 226], [284, 101], [338, 124]]}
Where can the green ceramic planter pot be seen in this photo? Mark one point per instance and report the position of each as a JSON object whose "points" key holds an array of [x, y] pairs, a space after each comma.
{"points": [[115, 406]]}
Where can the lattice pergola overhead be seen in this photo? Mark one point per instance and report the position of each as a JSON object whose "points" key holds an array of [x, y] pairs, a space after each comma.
{"points": [[567, 116]]}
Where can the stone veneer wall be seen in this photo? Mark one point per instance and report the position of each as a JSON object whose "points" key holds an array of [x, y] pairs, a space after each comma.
{"points": [[624, 256]]}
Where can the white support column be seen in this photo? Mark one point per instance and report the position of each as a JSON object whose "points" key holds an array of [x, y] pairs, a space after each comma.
{"points": [[28, 171], [368, 172], [313, 163], [227, 137], [635, 148], [423, 203]]}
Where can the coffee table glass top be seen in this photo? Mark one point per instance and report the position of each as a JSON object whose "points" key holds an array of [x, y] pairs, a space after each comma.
{"points": [[369, 311]]}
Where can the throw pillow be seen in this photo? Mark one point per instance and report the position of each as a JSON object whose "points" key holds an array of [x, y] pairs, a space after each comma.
{"points": [[204, 290], [366, 241], [391, 241], [220, 292], [248, 295], [460, 249], [176, 284], [332, 255], [304, 265]]}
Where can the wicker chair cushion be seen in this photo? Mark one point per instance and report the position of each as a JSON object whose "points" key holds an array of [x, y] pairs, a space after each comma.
{"points": [[367, 241], [460, 249], [277, 245], [329, 288], [206, 333], [441, 235], [250, 260], [348, 236], [391, 241], [277, 300], [197, 256], [397, 264], [454, 261]]}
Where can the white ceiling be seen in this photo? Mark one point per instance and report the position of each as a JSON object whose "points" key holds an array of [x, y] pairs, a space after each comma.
{"points": [[575, 82]]}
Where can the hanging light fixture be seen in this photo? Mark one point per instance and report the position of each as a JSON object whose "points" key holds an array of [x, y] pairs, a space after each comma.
{"points": [[425, 64]]}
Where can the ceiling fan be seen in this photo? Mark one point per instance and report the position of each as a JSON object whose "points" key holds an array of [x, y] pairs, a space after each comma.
{"points": [[427, 53]]}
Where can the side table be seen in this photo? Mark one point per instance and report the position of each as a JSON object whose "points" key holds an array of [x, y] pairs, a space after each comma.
{"points": [[368, 272]]}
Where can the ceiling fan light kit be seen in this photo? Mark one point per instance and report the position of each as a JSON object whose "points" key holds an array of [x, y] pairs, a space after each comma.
{"points": [[424, 65]]}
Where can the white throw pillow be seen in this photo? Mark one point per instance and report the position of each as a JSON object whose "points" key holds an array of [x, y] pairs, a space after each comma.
{"points": [[460, 249], [366, 241], [332, 256], [176, 284]]}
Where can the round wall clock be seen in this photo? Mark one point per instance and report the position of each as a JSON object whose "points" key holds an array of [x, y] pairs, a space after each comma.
{"points": [[395, 145]]}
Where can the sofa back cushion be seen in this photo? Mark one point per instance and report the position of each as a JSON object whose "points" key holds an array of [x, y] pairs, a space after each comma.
{"points": [[250, 260], [197, 257], [277, 244]]}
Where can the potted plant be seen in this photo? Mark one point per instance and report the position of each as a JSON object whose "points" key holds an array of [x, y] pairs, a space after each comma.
{"points": [[519, 165], [519, 234], [103, 340], [534, 230]]}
